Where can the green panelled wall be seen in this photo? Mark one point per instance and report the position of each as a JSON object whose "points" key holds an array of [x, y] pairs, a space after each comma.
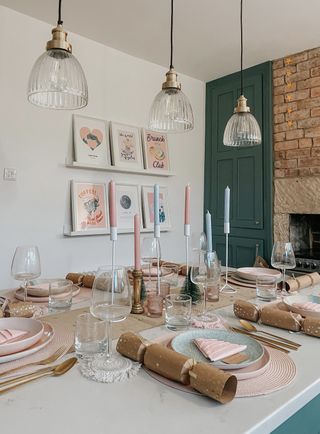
{"points": [[247, 171]]}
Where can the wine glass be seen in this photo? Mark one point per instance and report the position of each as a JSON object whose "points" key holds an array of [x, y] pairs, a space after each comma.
{"points": [[111, 302], [150, 252], [199, 241], [283, 259], [201, 274], [26, 265]]}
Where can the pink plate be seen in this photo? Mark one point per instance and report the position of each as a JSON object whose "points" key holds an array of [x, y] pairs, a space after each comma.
{"points": [[19, 295], [45, 339], [253, 370], [251, 273], [33, 327]]}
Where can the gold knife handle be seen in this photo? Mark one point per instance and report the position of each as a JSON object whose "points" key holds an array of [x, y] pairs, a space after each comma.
{"points": [[272, 341], [280, 338], [261, 339], [11, 384]]}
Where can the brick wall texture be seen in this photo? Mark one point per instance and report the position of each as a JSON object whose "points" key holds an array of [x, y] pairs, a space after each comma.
{"points": [[296, 115]]}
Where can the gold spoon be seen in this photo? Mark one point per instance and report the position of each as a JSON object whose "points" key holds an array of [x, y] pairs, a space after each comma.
{"points": [[251, 328], [56, 370]]}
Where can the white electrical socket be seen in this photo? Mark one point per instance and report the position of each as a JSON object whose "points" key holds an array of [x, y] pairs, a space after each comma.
{"points": [[10, 174]]}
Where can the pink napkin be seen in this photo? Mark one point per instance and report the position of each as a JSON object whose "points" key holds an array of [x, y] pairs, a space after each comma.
{"points": [[215, 350], [314, 307], [8, 335]]}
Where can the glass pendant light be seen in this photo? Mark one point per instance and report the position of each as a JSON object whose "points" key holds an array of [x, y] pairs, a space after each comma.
{"points": [[57, 80], [242, 128], [171, 110]]}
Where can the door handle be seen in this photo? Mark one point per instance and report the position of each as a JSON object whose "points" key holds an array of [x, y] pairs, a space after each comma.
{"points": [[257, 222]]}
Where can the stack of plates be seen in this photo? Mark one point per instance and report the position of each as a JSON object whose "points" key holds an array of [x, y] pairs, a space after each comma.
{"points": [[247, 276], [37, 336], [38, 290], [256, 363]]}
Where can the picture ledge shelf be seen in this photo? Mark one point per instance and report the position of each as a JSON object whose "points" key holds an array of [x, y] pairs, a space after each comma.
{"points": [[76, 165], [107, 232]]}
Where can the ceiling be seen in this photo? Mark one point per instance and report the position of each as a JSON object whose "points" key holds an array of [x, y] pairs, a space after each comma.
{"points": [[206, 31]]}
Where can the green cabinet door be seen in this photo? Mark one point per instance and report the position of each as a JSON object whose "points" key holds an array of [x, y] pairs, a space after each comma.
{"points": [[247, 171]]}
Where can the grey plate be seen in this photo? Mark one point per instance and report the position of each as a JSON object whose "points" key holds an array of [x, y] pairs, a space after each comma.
{"points": [[183, 344]]}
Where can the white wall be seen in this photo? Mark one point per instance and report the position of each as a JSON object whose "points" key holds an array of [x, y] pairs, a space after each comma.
{"points": [[36, 142]]}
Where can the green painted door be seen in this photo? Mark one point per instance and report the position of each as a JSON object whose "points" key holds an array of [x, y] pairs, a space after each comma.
{"points": [[247, 171]]}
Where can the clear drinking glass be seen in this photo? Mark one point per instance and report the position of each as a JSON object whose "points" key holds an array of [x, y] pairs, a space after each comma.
{"points": [[90, 336], [201, 277], [214, 275], [60, 295], [283, 259], [111, 302], [266, 287], [178, 311], [26, 265]]}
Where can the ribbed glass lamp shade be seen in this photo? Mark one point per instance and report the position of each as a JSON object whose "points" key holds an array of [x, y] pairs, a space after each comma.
{"points": [[242, 129], [57, 81], [171, 112]]}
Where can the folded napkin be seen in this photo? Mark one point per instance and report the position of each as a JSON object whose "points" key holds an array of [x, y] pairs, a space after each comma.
{"points": [[313, 307], [215, 350], [8, 335]]}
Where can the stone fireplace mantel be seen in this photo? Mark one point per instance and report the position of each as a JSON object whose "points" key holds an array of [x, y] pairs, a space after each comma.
{"points": [[294, 196]]}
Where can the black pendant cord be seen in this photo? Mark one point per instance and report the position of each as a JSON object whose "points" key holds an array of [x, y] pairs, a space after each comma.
{"points": [[60, 22], [241, 55], [171, 37]]}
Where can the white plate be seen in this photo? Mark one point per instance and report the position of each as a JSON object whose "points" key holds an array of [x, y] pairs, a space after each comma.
{"points": [[33, 327], [251, 273], [290, 300], [45, 339], [19, 295]]}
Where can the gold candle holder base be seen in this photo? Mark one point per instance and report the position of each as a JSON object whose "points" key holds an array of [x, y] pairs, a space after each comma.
{"points": [[137, 279]]}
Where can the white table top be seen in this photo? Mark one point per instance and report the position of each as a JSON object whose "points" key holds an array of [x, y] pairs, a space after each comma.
{"points": [[73, 404]]}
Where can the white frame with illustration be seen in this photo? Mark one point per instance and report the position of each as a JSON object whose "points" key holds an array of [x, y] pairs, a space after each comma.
{"points": [[100, 155], [148, 224], [133, 192], [115, 128], [144, 133]]}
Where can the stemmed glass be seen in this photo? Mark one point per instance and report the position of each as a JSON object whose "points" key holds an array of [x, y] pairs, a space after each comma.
{"points": [[201, 272], [111, 302], [150, 251], [283, 259], [26, 265]]}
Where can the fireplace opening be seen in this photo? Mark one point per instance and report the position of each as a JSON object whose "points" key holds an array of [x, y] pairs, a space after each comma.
{"points": [[304, 234]]}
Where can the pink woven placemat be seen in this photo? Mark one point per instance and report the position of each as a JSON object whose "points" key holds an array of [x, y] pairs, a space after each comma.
{"points": [[280, 373], [62, 336]]}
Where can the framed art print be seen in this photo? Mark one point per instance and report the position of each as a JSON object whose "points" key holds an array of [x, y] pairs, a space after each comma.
{"points": [[128, 204], [89, 206], [91, 141], [155, 151], [148, 211], [126, 149]]}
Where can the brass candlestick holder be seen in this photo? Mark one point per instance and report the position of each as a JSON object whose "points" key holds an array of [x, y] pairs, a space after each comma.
{"points": [[137, 280]]}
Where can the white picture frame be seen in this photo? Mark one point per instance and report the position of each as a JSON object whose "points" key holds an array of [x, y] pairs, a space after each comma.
{"points": [[155, 151], [128, 203], [89, 207], [126, 147], [147, 203], [91, 141]]}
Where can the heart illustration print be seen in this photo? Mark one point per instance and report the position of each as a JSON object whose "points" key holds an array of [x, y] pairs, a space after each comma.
{"points": [[93, 138]]}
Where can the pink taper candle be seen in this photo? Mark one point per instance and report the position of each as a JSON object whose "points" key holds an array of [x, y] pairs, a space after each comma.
{"points": [[187, 205], [137, 255], [112, 204]]}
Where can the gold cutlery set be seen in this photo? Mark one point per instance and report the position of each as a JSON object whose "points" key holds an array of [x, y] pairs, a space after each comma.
{"points": [[55, 370]]}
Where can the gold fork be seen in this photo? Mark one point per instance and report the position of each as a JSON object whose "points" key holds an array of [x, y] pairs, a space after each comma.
{"points": [[55, 356]]}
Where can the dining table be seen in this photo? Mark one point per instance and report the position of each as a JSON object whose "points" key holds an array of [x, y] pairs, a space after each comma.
{"points": [[74, 404]]}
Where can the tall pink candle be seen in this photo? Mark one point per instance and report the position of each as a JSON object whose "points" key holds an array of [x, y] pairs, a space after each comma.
{"points": [[187, 205], [112, 204], [137, 254]]}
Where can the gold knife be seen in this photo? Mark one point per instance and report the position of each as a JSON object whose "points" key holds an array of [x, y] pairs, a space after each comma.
{"points": [[266, 341]]}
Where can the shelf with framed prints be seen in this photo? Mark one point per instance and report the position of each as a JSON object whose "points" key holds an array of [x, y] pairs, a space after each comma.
{"points": [[70, 233], [76, 165]]}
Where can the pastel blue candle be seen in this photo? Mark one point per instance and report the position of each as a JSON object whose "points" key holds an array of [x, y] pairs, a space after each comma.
{"points": [[156, 204], [227, 205], [209, 232]]}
